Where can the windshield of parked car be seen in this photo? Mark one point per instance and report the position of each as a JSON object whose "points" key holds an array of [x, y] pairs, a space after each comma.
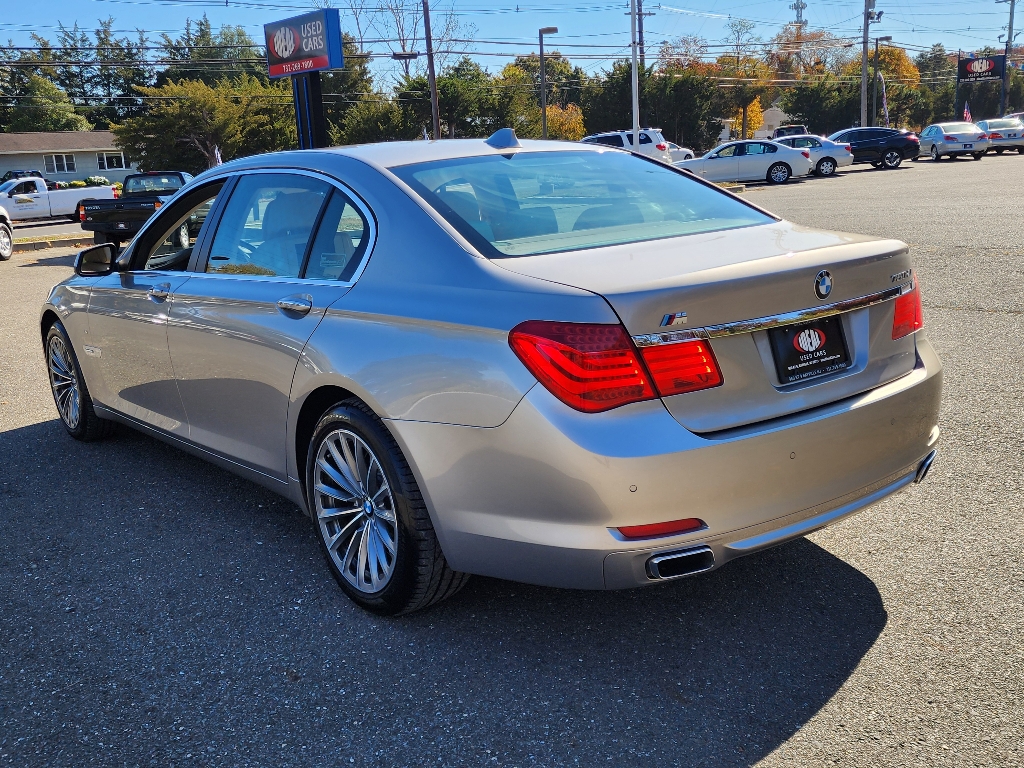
{"points": [[530, 203], [155, 183]]}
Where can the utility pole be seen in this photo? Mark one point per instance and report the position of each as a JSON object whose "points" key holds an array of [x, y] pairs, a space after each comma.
{"points": [[636, 82], [1005, 95], [874, 80], [870, 17], [544, 84], [431, 80]]}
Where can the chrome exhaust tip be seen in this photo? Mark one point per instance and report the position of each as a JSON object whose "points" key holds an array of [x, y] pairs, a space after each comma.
{"points": [[686, 562], [924, 466]]}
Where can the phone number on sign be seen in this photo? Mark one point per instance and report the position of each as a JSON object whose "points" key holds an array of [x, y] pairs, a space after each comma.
{"points": [[298, 66]]}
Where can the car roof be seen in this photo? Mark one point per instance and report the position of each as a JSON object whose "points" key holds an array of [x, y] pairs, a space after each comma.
{"points": [[613, 133]]}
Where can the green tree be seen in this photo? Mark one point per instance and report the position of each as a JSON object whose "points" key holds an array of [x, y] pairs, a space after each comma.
{"points": [[824, 103], [463, 99], [344, 88], [45, 107], [200, 54], [189, 122], [375, 118], [607, 100], [687, 104]]}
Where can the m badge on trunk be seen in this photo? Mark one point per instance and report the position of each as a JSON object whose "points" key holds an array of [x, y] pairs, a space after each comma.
{"points": [[677, 318]]}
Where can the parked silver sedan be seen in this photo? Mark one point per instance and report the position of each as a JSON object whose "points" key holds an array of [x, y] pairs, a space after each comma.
{"points": [[751, 161], [826, 156], [559, 364], [1004, 133], [953, 140]]}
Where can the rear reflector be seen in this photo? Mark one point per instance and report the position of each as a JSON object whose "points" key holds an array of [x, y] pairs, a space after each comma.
{"points": [[686, 366], [908, 315], [671, 528], [589, 367]]}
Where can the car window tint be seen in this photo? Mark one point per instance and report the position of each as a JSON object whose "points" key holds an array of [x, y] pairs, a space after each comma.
{"points": [[267, 224], [644, 139], [788, 142], [531, 203], [768, 149], [167, 243], [756, 148], [340, 241], [612, 141], [154, 183], [729, 151]]}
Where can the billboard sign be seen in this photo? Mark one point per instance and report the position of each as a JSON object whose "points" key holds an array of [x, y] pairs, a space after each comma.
{"points": [[982, 69], [307, 43]]}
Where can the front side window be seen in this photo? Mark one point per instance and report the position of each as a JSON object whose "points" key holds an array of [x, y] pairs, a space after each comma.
{"points": [[267, 225], [25, 188], [59, 163], [729, 151], [167, 243], [531, 203]]}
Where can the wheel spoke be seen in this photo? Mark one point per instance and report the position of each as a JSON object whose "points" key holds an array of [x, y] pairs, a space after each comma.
{"points": [[333, 513], [343, 483], [339, 538], [351, 482], [363, 535], [385, 538], [351, 464]]}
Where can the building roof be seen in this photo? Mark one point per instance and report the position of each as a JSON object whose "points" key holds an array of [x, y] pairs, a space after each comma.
{"points": [[55, 141]]}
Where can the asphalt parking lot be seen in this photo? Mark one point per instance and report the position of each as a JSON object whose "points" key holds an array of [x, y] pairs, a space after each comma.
{"points": [[159, 611]]}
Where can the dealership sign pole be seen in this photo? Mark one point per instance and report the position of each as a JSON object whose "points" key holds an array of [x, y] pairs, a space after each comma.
{"points": [[301, 47]]}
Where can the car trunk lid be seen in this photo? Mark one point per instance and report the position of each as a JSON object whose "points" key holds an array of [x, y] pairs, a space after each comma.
{"points": [[732, 286]]}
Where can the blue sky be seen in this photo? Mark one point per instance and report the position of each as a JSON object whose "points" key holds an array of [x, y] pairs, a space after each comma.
{"points": [[596, 29]]}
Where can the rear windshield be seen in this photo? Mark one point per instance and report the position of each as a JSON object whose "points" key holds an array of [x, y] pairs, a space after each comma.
{"points": [[154, 183], [529, 203], [958, 127], [1003, 124]]}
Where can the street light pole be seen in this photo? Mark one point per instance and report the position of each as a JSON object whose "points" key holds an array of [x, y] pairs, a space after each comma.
{"points": [[636, 83], [431, 80], [874, 80], [1004, 96], [544, 83]]}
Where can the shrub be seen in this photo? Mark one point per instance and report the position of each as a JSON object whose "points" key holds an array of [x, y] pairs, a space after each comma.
{"points": [[97, 181], [76, 184], [60, 185]]}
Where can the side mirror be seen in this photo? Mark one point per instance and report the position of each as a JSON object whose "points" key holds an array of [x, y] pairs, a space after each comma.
{"points": [[96, 261]]}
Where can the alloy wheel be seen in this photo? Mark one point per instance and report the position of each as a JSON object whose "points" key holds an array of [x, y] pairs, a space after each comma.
{"points": [[826, 167], [935, 153], [355, 510], [779, 173], [892, 159], [64, 382]]}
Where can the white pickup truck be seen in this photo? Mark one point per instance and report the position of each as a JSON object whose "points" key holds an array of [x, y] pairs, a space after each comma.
{"points": [[30, 199]]}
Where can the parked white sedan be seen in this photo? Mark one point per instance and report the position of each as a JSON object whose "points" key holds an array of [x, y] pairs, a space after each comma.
{"points": [[751, 161], [828, 156]]}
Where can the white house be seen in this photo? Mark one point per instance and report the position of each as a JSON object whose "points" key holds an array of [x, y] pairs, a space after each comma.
{"points": [[64, 155]]}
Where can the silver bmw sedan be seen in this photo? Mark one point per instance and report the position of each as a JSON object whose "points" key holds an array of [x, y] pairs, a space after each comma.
{"points": [[554, 363]]}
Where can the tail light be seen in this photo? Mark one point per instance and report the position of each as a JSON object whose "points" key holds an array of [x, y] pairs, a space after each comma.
{"points": [[908, 315], [81, 213], [686, 366], [116, 193], [662, 147], [982, 136], [847, 148], [595, 367], [805, 153], [588, 367], [950, 138], [994, 135], [912, 137], [671, 528], [156, 205]]}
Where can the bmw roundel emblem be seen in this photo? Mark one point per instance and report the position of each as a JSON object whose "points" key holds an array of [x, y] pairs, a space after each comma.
{"points": [[823, 284]]}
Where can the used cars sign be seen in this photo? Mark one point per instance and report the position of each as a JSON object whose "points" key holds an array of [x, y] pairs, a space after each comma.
{"points": [[982, 69], [306, 43]]}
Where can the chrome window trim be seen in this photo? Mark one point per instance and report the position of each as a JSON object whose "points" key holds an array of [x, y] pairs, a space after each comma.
{"points": [[350, 193], [772, 321]]}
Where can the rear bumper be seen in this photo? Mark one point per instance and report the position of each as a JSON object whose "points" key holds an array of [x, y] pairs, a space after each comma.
{"points": [[538, 498]]}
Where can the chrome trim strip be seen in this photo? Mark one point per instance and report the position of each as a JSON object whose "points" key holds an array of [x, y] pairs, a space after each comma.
{"points": [[772, 321]]}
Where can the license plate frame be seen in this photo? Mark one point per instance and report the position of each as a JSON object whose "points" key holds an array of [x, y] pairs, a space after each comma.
{"points": [[968, 146], [796, 357]]}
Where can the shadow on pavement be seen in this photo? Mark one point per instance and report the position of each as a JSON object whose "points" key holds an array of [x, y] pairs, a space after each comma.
{"points": [[65, 260], [157, 610]]}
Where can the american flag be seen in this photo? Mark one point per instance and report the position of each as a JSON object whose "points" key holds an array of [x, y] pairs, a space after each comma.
{"points": [[967, 113]]}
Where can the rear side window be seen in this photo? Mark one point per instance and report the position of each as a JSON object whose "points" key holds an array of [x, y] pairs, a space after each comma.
{"points": [[267, 225], [610, 141], [340, 241], [531, 203]]}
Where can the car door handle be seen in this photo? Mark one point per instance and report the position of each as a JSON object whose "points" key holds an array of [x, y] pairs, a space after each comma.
{"points": [[159, 292], [300, 304]]}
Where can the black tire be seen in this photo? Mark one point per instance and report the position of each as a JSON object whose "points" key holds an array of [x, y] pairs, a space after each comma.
{"points": [[87, 426], [891, 160], [6, 241], [977, 155], [826, 167], [935, 153], [778, 173], [1000, 150], [420, 576]]}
